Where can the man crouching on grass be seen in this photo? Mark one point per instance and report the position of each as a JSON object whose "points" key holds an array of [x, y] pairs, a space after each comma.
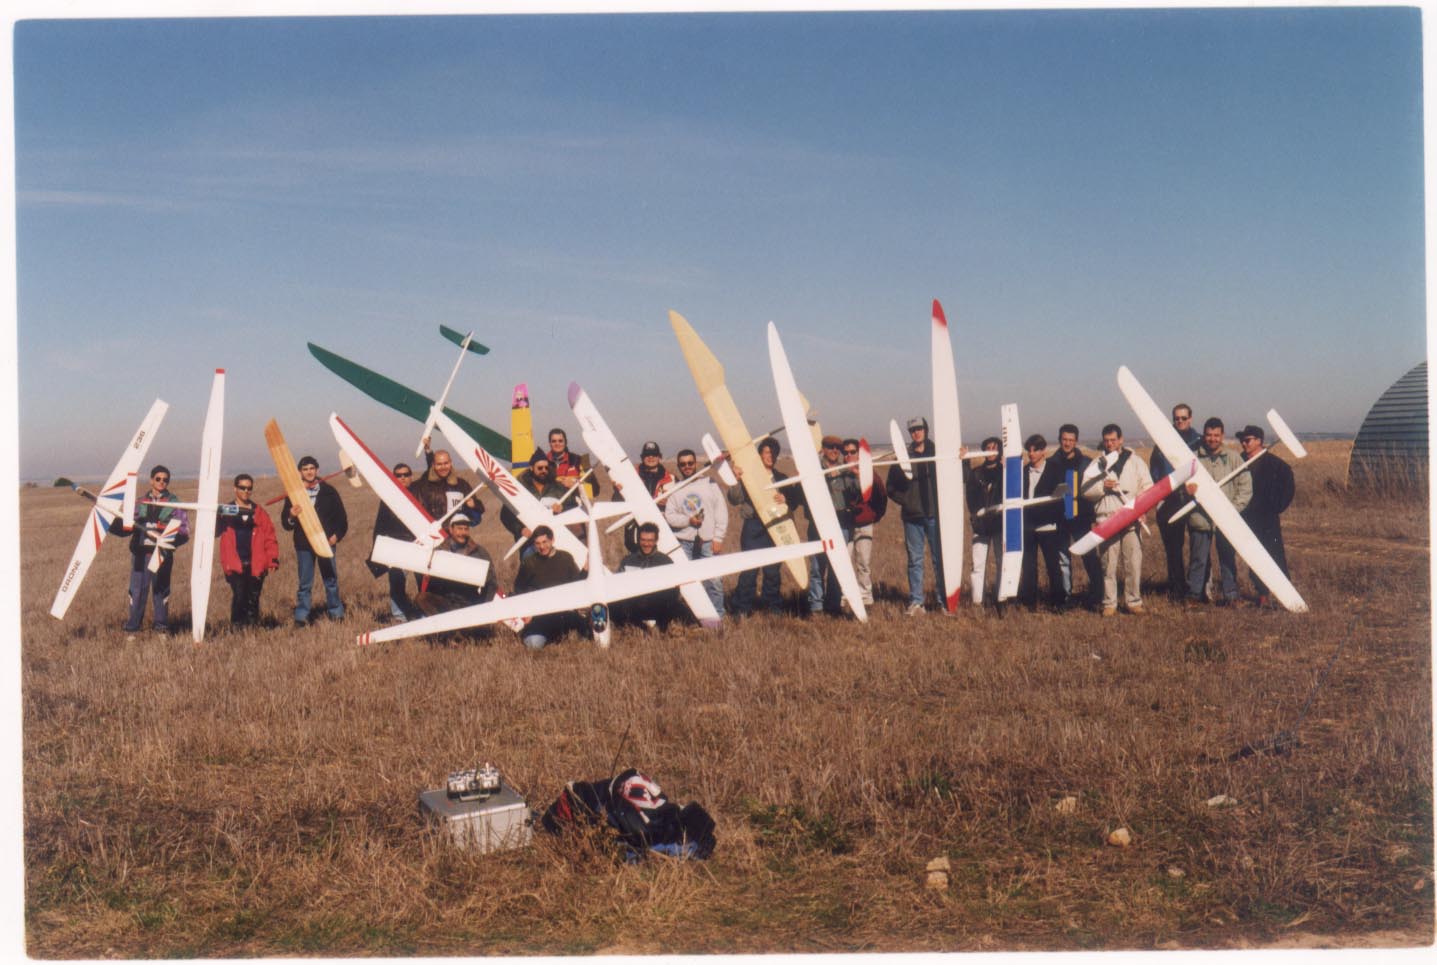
{"points": [[547, 566]]}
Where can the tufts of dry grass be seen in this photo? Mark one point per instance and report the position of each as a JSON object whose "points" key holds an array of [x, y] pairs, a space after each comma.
{"points": [[257, 795]]}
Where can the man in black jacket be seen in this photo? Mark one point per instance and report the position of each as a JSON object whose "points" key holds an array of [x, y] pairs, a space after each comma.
{"points": [[661, 607], [918, 500], [1067, 460], [388, 524], [1040, 527], [1174, 534], [332, 518], [1273, 487], [983, 489]]}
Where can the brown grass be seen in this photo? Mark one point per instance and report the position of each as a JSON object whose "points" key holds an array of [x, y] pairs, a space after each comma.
{"points": [[257, 795]]}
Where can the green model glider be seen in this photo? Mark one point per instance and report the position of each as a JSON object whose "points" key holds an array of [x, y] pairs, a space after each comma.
{"points": [[458, 339], [401, 398]]}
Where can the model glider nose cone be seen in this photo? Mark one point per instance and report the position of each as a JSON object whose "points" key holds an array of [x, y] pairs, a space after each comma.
{"points": [[574, 392], [938, 315]]}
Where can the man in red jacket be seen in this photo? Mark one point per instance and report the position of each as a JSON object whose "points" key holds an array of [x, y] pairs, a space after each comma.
{"points": [[249, 550]]}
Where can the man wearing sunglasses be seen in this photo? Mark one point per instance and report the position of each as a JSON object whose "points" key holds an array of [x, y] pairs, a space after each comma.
{"points": [[150, 523], [698, 515], [388, 524], [1174, 534], [866, 514], [249, 550]]}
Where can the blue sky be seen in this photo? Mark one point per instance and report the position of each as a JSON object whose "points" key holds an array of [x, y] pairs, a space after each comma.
{"points": [[1228, 201]]}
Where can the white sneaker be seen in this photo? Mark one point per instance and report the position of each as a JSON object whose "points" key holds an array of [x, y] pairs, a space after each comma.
{"points": [[914, 610]]}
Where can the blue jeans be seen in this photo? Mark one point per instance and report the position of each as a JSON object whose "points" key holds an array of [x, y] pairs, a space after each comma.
{"points": [[824, 592], [142, 581], [914, 533], [753, 536], [398, 602], [697, 549], [334, 607], [1200, 564]]}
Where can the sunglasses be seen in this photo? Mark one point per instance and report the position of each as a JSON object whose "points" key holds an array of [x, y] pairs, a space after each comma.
{"points": [[687, 464], [244, 489], [163, 479], [403, 475]]}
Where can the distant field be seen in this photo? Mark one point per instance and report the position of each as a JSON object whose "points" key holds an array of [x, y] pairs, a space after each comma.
{"points": [[256, 795]]}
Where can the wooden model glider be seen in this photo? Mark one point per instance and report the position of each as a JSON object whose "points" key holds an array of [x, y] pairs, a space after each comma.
{"points": [[107, 507], [289, 477], [1209, 494], [742, 448]]}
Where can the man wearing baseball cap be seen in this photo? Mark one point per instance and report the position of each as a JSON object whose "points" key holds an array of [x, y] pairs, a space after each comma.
{"points": [[1272, 490], [918, 500], [440, 594]]}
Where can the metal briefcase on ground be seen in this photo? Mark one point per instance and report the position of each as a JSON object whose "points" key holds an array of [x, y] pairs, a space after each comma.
{"points": [[493, 823]]}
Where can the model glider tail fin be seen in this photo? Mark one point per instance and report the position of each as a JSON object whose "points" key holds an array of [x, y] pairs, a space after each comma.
{"points": [[865, 469], [900, 448], [467, 341], [717, 458], [127, 503], [1285, 435]]}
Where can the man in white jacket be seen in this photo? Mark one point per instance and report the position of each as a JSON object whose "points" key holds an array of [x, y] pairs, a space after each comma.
{"points": [[1124, 476], [698, 515]]}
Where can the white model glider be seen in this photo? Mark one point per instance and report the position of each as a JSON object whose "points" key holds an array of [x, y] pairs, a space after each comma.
{"points": [[605, 447], [107, 508], [815, 493], [1285, 436], [437, 409], [1010, 570], [202, 560], [423, 555], [1134, 509], [521, 501], [1209, 494], [947, 439], [593, 594]]}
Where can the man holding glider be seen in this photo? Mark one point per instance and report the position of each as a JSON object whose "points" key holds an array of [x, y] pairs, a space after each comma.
{"points": [[330, 510], [442, 594], [824, 593], [984, 491], [547, 566], [568, 466], [1174, 533], [441, 489], [387, 524], [539, 480], [1070, 462], [754, 536], [249, 550], [661, 607], [148, 538], [1040, 527], [1272, 490], [918, 500], [865, 515], [1124, 477], [1219, 462], [698, 515]]}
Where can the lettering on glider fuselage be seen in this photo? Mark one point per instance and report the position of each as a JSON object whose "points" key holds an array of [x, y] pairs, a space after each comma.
{"points": [[70, 576]]}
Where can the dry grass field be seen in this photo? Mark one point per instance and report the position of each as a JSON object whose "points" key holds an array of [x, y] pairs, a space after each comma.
{"points": [[256, 795]]}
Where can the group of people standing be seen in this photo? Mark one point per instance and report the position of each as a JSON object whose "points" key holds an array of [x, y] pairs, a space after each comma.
{"points": [[699, 513]]}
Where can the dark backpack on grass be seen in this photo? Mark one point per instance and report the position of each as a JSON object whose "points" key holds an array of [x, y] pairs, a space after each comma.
{"points": [[635, 809]]}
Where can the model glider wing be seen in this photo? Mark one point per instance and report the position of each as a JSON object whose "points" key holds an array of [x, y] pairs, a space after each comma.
{"points": [[401, 398], [948, 470], [900, 448], [1012, 564], [1136, 509], [415, 558], [815, 493], [521, 502], [203, 560], [603, 444], [1209, 495], [708, 375], [294, 489], [106, 508], [401, 501]]}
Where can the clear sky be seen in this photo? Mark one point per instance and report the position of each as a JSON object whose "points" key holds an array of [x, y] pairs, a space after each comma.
{"points": [[1229, 201]]}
